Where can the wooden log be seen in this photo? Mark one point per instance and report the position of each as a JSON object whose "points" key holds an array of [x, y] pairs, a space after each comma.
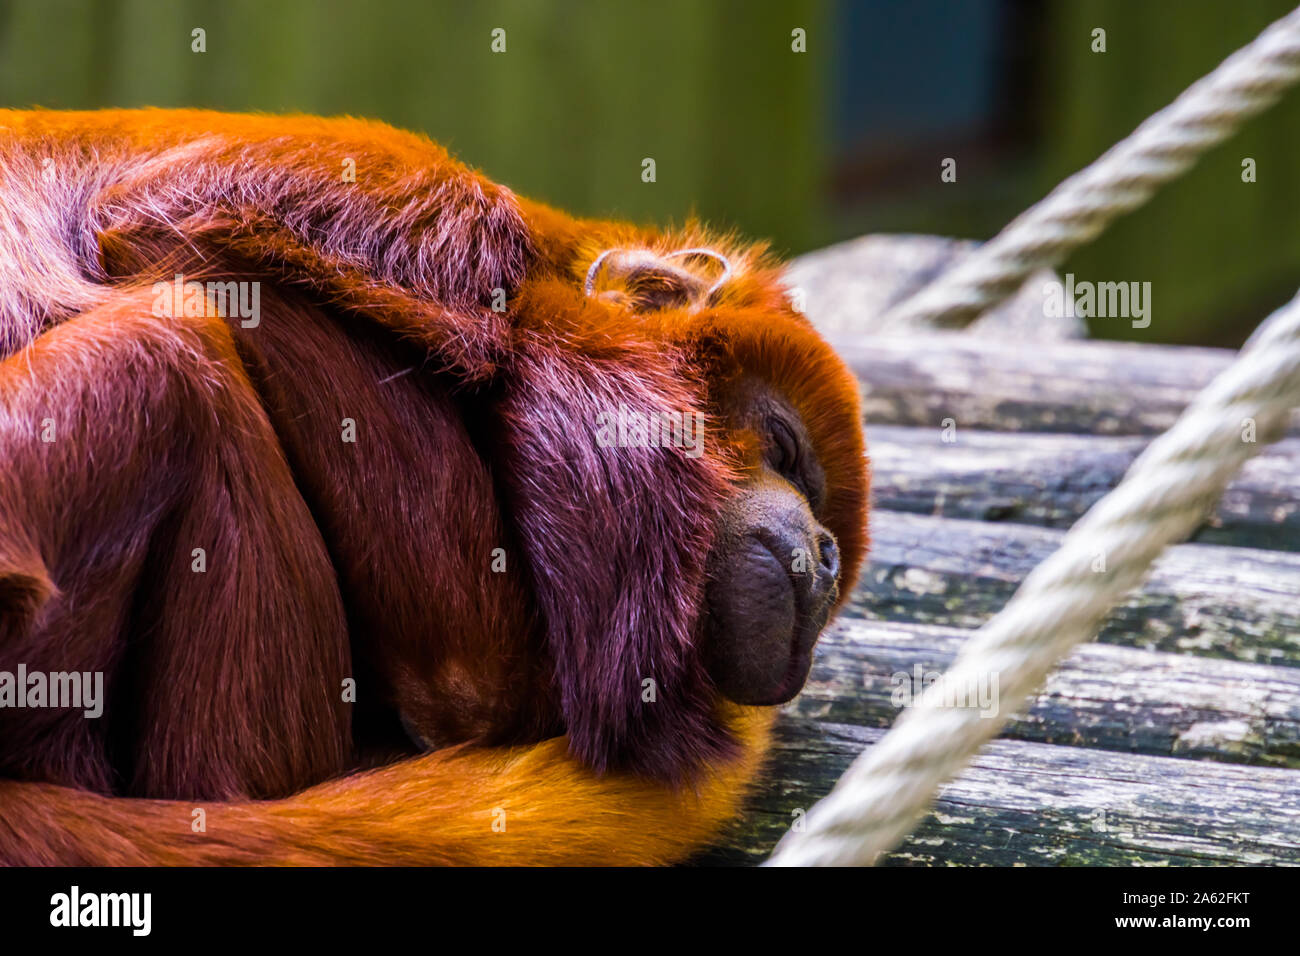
{"points": [[1077, 387], [1234, 603], [848, 287], [1113, 698], [1096, 770], [1021, 803], [1052, 479]]}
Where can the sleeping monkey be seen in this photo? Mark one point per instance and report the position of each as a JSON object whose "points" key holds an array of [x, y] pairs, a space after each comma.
{"points": [[364, 575]]}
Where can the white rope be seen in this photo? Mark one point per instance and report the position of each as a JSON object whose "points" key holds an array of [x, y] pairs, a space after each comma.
{"points": [[1162, 499], [1164, 496], [1121, 180]]}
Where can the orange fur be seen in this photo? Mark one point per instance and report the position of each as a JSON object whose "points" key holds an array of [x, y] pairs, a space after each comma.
{"points": [[213, 433], [515, 806]]}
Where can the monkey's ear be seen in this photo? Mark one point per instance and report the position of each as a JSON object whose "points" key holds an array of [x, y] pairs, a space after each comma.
{"points": [[646, 282]]}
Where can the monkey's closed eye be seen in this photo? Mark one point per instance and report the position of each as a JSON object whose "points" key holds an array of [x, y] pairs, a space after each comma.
{"points": [[784, 448]]}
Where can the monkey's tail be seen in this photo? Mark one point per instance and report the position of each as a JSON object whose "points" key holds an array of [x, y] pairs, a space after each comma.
{"points": [[531, 805]]}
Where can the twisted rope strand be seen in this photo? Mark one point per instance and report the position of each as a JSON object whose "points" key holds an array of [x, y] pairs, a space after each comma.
{"points": [[1162, 499], [1122, 179]]}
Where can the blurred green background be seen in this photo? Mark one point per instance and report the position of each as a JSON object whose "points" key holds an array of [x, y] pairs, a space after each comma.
{"points": [[802, 148]]}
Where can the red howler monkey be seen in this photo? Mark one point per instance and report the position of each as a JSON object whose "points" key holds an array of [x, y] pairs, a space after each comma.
{"points": [[425, 465]]}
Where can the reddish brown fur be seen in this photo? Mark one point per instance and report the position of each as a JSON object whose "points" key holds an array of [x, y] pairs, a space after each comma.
{"points": [[328, 560]]}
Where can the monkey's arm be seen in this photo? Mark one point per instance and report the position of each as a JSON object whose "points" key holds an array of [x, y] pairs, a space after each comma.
{"points": [[531, 805], [370, 218]]}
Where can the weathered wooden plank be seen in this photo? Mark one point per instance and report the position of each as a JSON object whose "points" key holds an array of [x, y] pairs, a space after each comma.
{"points": [[1079, 387], [1052, 479], [1022, 803], [1236, 603], [1183, 668], [1114, 698]]}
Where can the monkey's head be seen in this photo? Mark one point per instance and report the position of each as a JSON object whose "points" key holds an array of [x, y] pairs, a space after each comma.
{"points": [[710, 558], [790, 531], [774, 568]]}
